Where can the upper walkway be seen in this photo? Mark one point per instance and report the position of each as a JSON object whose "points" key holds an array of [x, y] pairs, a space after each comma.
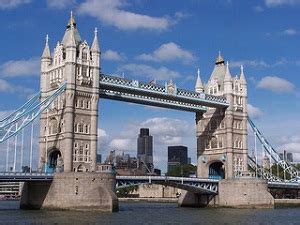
{"points": [[168, 96]]}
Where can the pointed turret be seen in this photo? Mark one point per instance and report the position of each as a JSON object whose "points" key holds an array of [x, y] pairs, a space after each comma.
{"points": [[72, 22], [220, 59], [227, 76], [95, 45], [71, 35], [46, 53], [242, 76], [199, 85]]}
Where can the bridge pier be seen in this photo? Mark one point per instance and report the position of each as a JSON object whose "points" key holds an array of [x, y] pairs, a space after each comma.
{"points": [[72, 191], [233, 193]]}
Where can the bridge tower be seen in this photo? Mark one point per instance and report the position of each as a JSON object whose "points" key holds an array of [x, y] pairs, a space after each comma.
{"points": [[222, 134], [68, 129]]}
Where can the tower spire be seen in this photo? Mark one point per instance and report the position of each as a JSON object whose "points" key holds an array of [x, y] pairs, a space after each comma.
{"points": [[227, 73], [220, 59], [199, 85], [46, 52], [242, 76], [95, 45], [72, 22]]}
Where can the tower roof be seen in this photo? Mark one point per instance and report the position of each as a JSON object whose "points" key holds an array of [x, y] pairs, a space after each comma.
{"points": [[46, 52], [218, 72], [95, 45], [71, 33]]}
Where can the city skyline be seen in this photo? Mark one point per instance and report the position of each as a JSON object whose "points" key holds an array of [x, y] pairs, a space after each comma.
{"points": [[164, 41]]}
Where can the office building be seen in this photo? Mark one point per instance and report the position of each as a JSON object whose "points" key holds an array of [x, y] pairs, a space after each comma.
{"points": [[145, 150]]}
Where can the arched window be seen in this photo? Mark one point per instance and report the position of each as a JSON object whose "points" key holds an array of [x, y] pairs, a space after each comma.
{"points": [[84, 54], [213, 125], [80, 128], [54, 126], [86, 129], [220, 142], [214, 142]]}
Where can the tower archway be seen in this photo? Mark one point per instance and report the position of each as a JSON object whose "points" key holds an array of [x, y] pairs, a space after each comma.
{"points": [[216, 171], [54, 160]]}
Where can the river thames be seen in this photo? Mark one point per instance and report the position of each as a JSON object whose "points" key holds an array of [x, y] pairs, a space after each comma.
{"points": [[149, 213]]}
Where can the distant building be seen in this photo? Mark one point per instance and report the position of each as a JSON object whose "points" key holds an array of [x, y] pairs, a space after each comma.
{"points": [[177, 155], [99, 158], [145, 151], [287, 156]]}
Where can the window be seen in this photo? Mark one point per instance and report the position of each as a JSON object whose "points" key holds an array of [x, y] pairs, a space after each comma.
{"points": [[220, 142], [213, 125], [80, 128], [84, 71], [54, 126], [84, 54], [214, 142]]}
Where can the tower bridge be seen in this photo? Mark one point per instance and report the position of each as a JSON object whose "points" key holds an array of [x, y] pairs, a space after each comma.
{"points": [[71, 84]]}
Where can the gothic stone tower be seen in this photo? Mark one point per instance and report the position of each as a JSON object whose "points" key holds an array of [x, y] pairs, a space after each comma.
{"points": [[222, 134], [68, 129]]}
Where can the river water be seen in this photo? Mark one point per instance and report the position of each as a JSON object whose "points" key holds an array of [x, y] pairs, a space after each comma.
{"points": [[148, 214]]}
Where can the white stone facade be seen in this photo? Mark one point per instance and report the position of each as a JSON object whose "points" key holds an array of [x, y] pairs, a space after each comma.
{"points": [[68, 129], [222, 134]]}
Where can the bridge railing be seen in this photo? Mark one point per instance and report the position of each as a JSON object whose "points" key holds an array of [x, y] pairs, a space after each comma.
{"points": [[286, 166]]}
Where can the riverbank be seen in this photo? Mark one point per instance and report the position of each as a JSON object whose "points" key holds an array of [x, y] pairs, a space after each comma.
{"points": [[280, 203], [158, 200]]}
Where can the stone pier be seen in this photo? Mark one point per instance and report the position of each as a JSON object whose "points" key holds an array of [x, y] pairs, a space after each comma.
{"points": [[72, 191], [233, 193]]}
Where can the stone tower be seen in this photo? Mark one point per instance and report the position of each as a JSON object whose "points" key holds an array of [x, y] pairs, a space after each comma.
{"points": [[68, 129], [222, 134]]}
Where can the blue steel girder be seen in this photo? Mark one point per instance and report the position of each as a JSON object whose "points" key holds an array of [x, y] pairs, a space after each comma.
{"points": [[196, 185], [152, 94], [290, 169], [27, 115]]}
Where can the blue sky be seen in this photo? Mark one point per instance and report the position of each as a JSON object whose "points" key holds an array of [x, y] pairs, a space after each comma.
{"points": [[165, 40]]}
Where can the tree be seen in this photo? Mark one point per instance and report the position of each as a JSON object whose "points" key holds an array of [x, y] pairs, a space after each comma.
{"points": [[182, 170]]}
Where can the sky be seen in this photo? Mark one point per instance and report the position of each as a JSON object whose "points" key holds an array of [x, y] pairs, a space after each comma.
{"points": [[164, 40]]}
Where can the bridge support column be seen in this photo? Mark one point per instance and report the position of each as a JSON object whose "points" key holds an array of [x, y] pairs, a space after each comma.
{"points": [[72, 191], [244, 193], [190, 199]]}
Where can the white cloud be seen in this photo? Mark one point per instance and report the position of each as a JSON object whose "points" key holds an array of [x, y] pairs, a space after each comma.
{"points": [[254, 112], [102, 133], [168, 52], [161, 73], [113, 55], [5, 113], [258, 8], [9, 4], [290, 32], [165, 131], [123, 144], [275, 84], [6, 87], [291, 144], [60, 4], [252, 63], [112, 13], [16, 68], [274, 3]]}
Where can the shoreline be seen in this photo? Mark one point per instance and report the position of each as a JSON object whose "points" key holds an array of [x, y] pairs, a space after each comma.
{"points": [[158, 200]]}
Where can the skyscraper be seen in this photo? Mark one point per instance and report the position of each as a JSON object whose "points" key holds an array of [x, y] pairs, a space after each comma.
{"points": [[177, 155], [145, 150]]}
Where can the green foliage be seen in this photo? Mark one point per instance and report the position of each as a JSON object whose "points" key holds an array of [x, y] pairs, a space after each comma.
{"points": [[182, 171], [126, 191]]}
